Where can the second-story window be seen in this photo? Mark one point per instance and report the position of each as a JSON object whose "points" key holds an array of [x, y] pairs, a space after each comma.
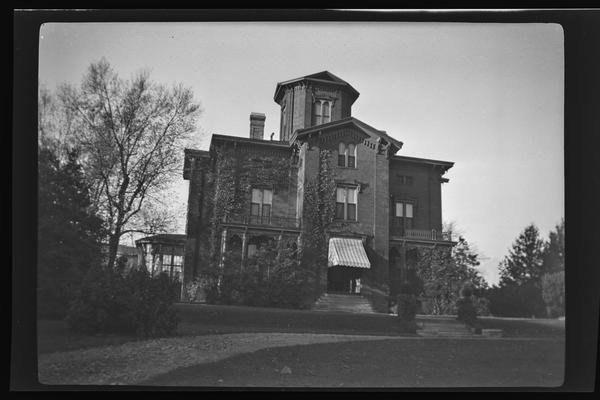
{"points": [[347, 155], [260, 207], [345, 203], [403, 216]]}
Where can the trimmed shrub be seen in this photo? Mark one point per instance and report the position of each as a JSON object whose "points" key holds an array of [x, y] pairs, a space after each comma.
{"points": [[136, 303], [407, 311], [465, 311]]}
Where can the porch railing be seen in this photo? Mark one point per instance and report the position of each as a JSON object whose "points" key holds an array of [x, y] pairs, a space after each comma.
{"points": [[258, 220], [422, 234]]}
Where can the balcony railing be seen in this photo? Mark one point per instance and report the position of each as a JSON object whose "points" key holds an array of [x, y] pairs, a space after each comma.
{"points": [[257, 220], [421, 234]]}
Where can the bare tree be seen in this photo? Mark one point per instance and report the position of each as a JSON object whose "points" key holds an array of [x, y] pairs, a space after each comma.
{"points": [[132, 133]]}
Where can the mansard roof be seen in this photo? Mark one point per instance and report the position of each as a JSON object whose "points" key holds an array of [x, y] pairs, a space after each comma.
{"points": [[323, 77], [368, 129]]}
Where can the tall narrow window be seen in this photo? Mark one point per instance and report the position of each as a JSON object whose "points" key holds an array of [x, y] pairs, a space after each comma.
{"points": [[326, 112], [260, 206], [347, 155], [351, 156], [403, 217], [342, 155], [317, 112], [340, 203], [345, 205], [409, 216], [351, 214]]}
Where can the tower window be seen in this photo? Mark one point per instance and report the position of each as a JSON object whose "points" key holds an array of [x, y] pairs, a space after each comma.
{"points": [[321, 112], [317, 112], [326, 114]]}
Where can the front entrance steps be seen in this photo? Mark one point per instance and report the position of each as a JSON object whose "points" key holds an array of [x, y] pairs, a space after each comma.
{"points": [[343, 302]]}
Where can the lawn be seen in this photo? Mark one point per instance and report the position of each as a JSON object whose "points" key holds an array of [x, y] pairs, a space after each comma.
{"points": [[199, 319], [387, 363]]}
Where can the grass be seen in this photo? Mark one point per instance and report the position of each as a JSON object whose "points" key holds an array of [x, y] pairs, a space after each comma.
{"points": [[387, 363], [211, 319]]}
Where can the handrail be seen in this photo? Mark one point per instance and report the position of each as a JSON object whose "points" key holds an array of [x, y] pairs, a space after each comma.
{"points": [[425, 234], [257, 220]]}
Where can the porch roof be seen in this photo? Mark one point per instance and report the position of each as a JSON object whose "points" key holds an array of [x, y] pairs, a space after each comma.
{"points": [[347, 252]]}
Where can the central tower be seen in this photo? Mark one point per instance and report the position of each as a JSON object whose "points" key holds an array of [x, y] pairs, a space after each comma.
{"points": [[313, 100]]}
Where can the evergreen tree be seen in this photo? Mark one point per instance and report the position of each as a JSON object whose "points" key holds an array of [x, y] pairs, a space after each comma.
{"points": [[524, 264], [554, 250], [553, 281], [69, 233]]}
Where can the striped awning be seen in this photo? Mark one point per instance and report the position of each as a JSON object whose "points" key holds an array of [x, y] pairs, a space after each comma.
{"points": [[348, 253]]}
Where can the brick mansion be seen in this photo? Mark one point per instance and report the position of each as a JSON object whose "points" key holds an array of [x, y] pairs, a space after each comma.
{"points": [[386, 204]]}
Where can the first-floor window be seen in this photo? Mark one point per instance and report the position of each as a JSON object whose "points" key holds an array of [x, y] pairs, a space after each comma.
{"points": [[345, 203], [260, 207]]}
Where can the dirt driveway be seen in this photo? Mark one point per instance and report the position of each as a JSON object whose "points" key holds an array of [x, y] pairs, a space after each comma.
{"points": [[133, 362]]}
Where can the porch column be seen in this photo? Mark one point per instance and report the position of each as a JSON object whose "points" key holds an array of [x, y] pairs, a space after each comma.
{"points": [[244, 248], [402, 267], [223, 247], [279, 240]]}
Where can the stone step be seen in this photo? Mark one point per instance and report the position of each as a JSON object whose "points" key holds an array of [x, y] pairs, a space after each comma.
{"points": [[343, 302]]}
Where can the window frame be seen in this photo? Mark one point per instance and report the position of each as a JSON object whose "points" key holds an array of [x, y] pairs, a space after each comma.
{"points": [[346, 190], [318, 111], [261, 206], [403, 221], [347, 155]]}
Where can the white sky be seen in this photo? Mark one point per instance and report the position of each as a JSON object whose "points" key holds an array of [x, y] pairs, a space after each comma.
{"points": [[487, 96]]}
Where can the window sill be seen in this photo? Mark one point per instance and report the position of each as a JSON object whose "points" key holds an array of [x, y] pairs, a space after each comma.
{"points": [[340, 167]]}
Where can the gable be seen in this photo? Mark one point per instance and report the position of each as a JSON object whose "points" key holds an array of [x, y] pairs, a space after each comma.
{"points": [[350, 126]]}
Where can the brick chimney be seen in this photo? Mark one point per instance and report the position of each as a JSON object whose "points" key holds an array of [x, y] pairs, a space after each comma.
{"points": [[257, 125]]}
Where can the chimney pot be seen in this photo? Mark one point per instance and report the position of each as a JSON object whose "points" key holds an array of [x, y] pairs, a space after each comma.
{"points": [[257, 125]]}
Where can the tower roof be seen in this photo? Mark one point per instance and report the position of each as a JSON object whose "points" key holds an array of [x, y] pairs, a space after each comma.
{"points": [[323, 76]]}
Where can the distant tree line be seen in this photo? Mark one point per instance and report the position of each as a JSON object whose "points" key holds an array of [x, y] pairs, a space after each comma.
{"points": [[532, 276]]}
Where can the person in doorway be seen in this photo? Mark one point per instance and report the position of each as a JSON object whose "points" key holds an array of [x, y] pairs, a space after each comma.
{"points": [[357, 286]]}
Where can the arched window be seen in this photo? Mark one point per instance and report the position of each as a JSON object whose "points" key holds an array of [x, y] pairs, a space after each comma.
{"points": [[317, 113], [326, 112], [351, 156], [342, 155]]}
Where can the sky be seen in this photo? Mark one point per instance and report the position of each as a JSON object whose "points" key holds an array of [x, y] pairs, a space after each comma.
{"points": [[489, 97]]}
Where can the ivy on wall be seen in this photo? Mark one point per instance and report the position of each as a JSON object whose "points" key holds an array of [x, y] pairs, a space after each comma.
{"points": [[230, 183], [319, 214]]}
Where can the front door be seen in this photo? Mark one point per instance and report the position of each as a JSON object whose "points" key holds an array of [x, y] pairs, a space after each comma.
{"points": [[342, 279]]}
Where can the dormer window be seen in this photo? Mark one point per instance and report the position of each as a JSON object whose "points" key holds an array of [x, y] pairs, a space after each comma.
{"points": [[321, 112], [347, 155]]}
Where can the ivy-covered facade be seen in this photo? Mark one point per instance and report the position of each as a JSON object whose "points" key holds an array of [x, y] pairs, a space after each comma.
{"points": [[332, 185]]}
